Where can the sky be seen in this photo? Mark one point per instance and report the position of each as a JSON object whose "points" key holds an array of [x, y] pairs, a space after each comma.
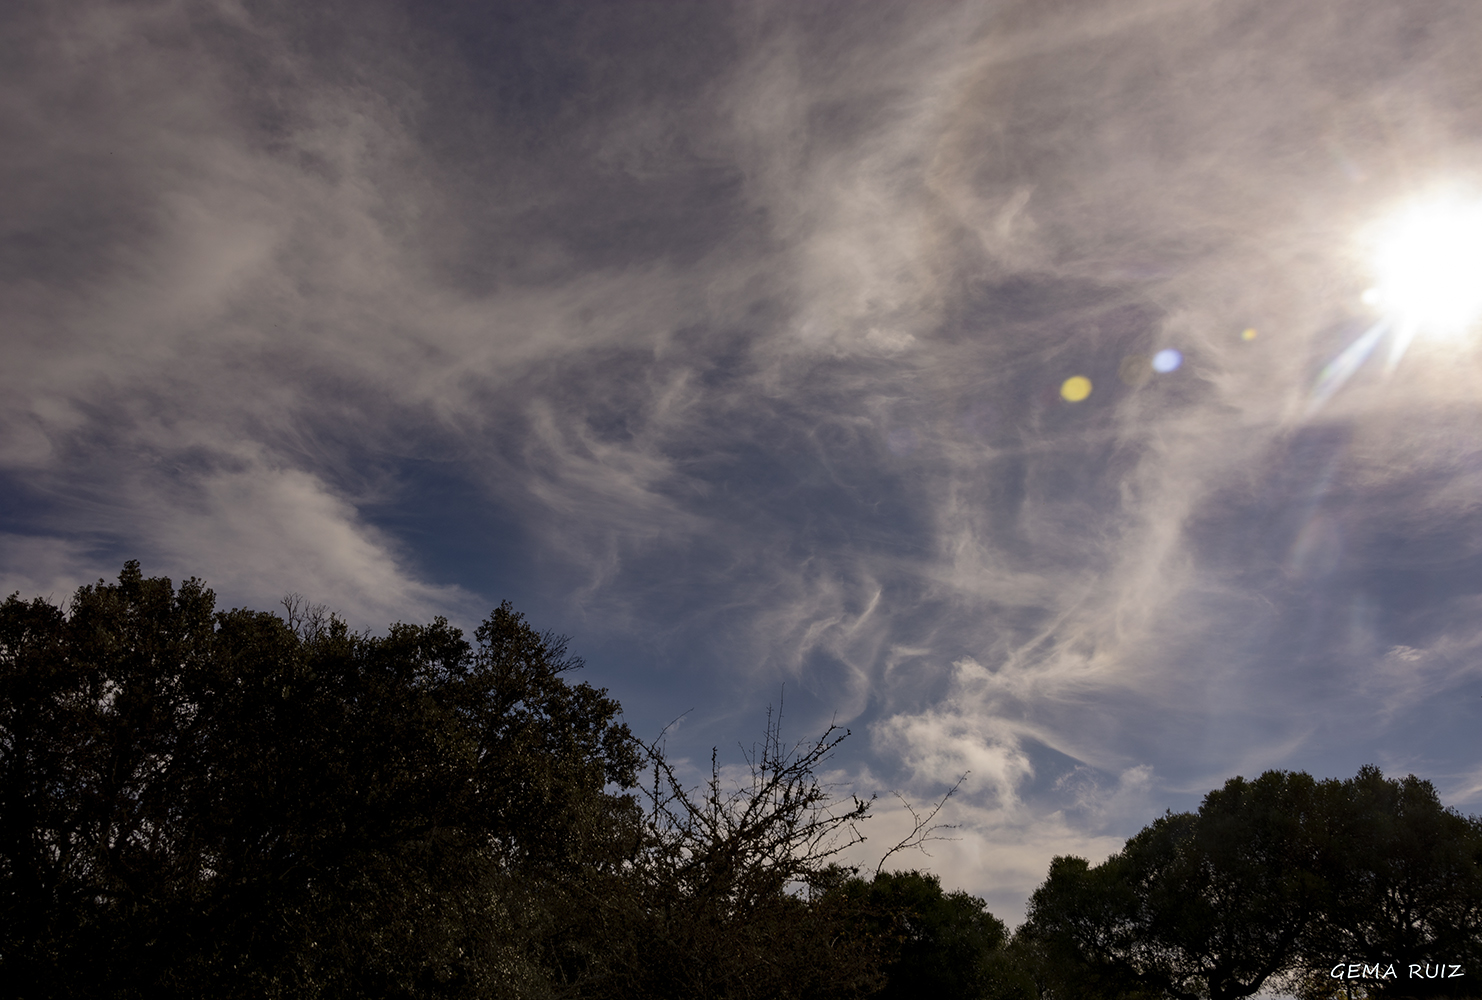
{"points": [[1037, 389]]}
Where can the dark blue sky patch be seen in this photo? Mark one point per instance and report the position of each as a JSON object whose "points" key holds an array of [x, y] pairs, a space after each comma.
{"points": [[456, 531]]}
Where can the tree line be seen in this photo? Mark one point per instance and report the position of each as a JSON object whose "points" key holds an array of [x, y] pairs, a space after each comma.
{"points": [[244, 804]]}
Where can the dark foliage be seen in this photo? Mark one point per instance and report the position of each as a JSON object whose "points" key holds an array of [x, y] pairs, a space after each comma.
{"points": [[1277, 878], [729, 894], [1403, 880], [237, 804], [946, 945], [202, 803]]}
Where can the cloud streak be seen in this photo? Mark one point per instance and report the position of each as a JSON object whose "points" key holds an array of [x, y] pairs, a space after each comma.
{"points": [[731, 338]]}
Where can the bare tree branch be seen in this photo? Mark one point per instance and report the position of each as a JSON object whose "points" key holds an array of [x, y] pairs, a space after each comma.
{"points": [[781, 827], [306, 620], [923, 830]]}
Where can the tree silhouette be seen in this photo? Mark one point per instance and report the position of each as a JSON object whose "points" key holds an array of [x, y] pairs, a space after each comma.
{"points": [[728, 895], [1403, 876], [240, 804], [1271, 880], [212, 802]]}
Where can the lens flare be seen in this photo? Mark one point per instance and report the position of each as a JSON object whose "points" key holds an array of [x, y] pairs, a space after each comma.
{"points": [[1167, 360], [1075, 388], [1342, 368], [1428, 262], [1427, 258]]}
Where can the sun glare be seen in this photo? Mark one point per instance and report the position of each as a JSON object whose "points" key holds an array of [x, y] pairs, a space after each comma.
{"points": [[1428, 265]]}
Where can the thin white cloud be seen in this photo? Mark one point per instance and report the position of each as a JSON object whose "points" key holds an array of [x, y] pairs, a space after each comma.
{"points": [[263, 526], [52, 569], [808, 420]]}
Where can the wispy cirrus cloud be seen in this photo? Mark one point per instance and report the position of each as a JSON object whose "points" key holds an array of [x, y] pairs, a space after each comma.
{"points": [[731, 338]]}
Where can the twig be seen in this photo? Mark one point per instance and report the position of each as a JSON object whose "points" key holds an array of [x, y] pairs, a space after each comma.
{"points": [[922, 829]]}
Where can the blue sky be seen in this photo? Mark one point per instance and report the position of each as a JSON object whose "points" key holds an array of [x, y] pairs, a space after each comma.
{"points": [[733, 339]]}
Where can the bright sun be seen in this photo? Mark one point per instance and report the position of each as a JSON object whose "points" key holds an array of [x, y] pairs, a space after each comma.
{"points": [[1428, 262]]}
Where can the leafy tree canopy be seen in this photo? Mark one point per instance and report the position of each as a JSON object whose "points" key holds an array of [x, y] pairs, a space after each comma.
{"points": [[200, 802], [1272, 879], [241, 804], [947, 944]]}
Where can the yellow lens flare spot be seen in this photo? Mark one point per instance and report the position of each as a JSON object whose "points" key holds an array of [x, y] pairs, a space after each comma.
{"points": [[1075, 388], [1427, 260], [1249, 333]]}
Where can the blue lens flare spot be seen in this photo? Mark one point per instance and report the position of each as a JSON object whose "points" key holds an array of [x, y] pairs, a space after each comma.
{"points": [[1167, 360]]}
